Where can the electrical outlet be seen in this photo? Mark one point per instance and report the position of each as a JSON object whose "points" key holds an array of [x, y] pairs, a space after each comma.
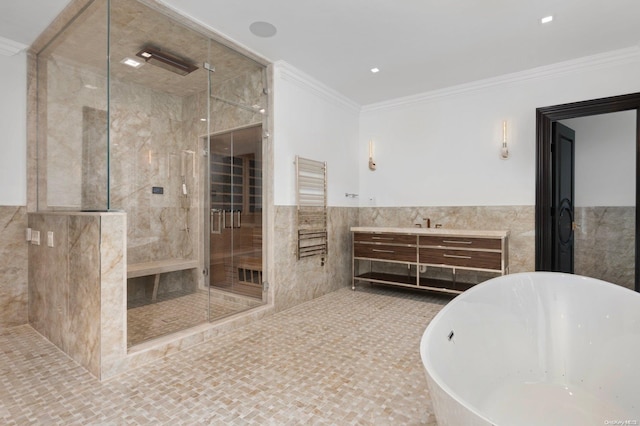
{"points": [[35, 238], [50, 238], [27, 234]]}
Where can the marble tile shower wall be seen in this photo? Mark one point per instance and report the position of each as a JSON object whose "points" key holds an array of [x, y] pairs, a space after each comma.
{"points": [[519, 220], [149, 149], [605, 244], [70, 91], [147, 132], [245, 89], [13, 266]]}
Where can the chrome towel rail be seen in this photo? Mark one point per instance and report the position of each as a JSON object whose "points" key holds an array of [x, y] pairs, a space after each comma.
{"points": [[311, 198]]}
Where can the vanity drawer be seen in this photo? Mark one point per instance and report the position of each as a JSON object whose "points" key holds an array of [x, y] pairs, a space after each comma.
{"points": [[461, 242], [462, 258], [385, 252], [372, 237]]}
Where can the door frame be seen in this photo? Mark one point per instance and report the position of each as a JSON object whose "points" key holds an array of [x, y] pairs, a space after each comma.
{"points": [[544, 172], [207, 201]]}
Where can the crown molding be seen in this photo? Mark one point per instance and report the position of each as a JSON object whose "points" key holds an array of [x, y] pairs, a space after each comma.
{"points": [[293, 75], [10, 47], [621, 56]]}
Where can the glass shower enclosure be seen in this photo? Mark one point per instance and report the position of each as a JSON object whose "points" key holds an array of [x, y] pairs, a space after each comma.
{"points": [[141, 114]]}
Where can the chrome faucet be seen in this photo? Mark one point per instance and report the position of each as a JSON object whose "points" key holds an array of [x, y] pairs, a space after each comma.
{"points": [[426, 221]]}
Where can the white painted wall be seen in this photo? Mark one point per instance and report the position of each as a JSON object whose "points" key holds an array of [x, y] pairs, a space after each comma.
{"points": [[312, 121], [442, 148], [605, 159], [432, 149], [13, 130]]}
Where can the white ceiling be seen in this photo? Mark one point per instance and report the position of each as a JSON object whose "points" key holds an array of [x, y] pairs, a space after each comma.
{"points": [[419, 45]]}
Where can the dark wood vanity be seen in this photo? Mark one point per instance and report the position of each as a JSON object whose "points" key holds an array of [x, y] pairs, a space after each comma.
{"points": [[380, 253]]}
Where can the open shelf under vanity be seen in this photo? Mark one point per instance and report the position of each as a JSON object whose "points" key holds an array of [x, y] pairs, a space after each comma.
{"points": [[426, 258]]}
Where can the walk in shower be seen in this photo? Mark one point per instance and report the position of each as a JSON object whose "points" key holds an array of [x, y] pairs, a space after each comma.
{"points": [[140, 113]]}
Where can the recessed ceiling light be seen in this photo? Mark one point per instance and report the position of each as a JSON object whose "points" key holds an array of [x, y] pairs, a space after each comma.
{"points": [[263, 29], [375, 70], [132, 62], [546, 19]]}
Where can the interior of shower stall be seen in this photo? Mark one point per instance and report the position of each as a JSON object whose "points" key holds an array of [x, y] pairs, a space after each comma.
{"points": [[140, 113]]}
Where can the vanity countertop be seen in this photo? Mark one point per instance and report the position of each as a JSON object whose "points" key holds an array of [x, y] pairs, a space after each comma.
{"points": [[469, 233]]}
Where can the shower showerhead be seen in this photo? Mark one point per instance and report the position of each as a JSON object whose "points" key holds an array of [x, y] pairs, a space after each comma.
{"points": [[166, 61]]}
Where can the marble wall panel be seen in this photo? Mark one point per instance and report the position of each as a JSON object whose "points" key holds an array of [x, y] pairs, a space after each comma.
{"points": [[37, 276], [245, 89], [113, 297], [297, 281], [519, 220], [69, 90], [13, 266], [605, 244], [83, 335], [48, 279], [151, 150], [77, 287]]}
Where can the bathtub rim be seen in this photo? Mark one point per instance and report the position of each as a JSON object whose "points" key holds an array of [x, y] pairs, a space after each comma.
{"points": [[428, 333]]}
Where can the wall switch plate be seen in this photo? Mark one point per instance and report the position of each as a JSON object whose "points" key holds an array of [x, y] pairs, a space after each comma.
{"points": [[27, 234], [35, 238], [50, 238]]}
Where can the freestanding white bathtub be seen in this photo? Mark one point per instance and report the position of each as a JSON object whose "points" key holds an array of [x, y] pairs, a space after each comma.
{"points": [[537, 348]]}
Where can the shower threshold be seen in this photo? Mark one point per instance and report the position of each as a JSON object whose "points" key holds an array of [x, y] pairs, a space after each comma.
{"points": [[178, 311]]}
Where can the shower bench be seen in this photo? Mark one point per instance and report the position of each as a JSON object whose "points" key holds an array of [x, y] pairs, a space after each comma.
{"points": [[158, 267]]}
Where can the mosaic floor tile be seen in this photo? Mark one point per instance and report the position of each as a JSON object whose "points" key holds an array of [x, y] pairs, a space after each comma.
{"points": [[347, 358]]}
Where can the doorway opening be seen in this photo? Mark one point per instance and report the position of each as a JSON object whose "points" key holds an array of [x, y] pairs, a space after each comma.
{"points": [[545, 211], [235, 234]]}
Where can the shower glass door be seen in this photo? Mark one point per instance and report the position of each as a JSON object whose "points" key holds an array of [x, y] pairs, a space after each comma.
{"points": [[233, 190], [236, 211]]}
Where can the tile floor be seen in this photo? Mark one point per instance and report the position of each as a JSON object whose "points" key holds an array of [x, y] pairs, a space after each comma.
{"points": [[344, 358], [180, 310]]}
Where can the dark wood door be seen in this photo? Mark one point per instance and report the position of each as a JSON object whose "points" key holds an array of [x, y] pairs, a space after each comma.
{"points": [[562, 210]]}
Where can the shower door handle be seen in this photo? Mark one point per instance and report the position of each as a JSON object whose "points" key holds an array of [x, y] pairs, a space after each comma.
{"points": [[235, 219], [216, 221]]}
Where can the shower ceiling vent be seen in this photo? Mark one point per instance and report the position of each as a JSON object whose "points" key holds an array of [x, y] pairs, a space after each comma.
{"points": [[165, 60]]}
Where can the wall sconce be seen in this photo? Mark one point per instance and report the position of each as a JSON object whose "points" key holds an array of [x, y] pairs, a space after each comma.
{"points": [[504, 151], [372, 164]]}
